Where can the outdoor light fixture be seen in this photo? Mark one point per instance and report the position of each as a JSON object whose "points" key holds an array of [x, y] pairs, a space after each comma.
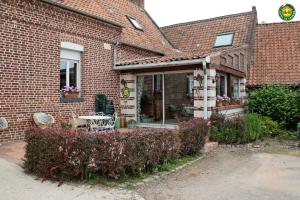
{"points": [[199, 78]]}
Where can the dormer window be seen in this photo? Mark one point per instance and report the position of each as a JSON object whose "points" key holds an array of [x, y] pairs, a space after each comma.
{"points": [[224, 39], [135, 23]]}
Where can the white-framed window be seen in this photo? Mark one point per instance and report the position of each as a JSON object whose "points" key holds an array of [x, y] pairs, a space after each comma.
{"points": [[224, 39], [69, 73], [70, 69], [135, 23], [235, 87]]}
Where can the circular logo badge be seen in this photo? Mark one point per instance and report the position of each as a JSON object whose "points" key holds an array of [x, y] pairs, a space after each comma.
{"points": [[287, 12]]}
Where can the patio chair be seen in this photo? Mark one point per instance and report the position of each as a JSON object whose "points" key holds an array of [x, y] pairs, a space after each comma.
{"points": [[3, 123], [111, 123], [43, 120], [78, 124]]}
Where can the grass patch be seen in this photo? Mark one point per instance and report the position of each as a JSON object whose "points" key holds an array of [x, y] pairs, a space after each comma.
{"points": [[288, 135], [129, 181]]}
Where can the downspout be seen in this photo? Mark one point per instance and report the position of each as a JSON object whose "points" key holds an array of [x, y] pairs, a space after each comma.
{"points": [[115, 56], [205, 63]]}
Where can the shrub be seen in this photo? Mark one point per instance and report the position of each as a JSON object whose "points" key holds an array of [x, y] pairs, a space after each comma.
{"points": [[53, 153], [270, 128], [277, 102], [192, 135], [235, 130], [228, 131], [253, 128]]}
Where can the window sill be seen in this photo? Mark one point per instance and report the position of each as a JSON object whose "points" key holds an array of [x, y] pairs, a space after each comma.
{"points": [[71, 99]]}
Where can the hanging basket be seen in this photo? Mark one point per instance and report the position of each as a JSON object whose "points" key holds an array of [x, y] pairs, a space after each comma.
{"points": [[3, 123]]}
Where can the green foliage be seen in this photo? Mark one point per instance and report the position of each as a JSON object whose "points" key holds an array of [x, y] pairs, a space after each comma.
{"points": [[58, 154], [277, 102], [288, 135], [270, 128], [228, 131], [235, 130], [253, 128]]}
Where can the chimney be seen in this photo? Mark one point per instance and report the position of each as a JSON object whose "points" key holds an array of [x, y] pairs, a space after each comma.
{"points": [[140, 3]]}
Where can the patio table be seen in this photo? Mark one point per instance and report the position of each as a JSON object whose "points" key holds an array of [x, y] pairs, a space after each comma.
{"points": [[95, 121]]}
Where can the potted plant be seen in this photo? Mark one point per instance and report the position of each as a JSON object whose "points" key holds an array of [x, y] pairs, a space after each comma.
{"points": [[131, 124], [220, 100], [70, 92], [226, 100]]}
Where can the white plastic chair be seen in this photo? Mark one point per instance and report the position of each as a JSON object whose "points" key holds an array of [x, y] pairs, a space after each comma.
{"points": [[78, 123], [3, 123], [111, 122]]}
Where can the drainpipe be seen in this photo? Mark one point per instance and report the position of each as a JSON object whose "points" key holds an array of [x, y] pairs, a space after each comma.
{"points": [[115, 54], [205, 63]]}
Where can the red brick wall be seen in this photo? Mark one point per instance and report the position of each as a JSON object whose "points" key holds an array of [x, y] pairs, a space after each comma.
{"points": [[30, 35]]}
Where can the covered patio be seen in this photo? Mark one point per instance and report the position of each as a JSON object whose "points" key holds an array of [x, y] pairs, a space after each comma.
{"points": [[160, 93]]}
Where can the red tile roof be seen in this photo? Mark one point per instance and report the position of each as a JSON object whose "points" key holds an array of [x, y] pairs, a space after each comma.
{"points": [[117, 11], [201, 35], [276, 54]]}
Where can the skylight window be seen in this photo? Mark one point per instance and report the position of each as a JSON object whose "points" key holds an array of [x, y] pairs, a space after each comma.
{"points": [[135, 23], [225, 39]]}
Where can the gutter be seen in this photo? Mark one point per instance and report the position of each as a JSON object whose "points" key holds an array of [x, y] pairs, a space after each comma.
{"points": [[160, 65], [69, 8]]}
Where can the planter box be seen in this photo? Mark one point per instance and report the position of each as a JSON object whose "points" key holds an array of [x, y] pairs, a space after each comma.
{"points": [[71, 94]]}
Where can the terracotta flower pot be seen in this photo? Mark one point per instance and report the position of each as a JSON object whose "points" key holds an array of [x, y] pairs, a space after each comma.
{"points": [[219, 104], [71, 94]]}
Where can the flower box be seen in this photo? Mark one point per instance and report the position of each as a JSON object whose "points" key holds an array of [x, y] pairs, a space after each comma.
{"points": [[71, 94]]}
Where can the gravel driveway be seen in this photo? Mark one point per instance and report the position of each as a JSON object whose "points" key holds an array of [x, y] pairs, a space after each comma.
{"points": [[231, 175]]}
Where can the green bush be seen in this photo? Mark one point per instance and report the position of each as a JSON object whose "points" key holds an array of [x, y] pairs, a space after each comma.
{"points": [[270, 128], [253, 128], [235, 130], [227, 131], [277, 102]]}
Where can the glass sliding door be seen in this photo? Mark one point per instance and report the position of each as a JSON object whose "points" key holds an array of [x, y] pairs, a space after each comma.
{"points": [[165, 98], [179, 103], [149, 99]]}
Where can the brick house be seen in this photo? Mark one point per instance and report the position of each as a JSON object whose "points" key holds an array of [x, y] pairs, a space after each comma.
{"points": [[153, 75], [276, 55]]}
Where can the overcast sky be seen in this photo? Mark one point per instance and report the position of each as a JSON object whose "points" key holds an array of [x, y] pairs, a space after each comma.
{"points": [[166, 12]]}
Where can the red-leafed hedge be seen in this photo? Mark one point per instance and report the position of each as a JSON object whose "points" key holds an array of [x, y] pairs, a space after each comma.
{"points": [[53, 153]]}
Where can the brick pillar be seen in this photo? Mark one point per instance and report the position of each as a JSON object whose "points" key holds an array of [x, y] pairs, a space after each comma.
{"points": [[212, 91], [128, 104], [198, 95]]}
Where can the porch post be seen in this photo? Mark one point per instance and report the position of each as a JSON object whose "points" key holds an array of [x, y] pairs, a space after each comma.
{"points": [[243, 94], [128, 103], [198, 94], [211, 91]]}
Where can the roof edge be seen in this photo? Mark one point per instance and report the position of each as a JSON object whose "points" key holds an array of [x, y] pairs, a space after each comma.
{"points": [[69, 8], [159, 29], [210, 19], [161, 64], [278, 23], [140, 47]]}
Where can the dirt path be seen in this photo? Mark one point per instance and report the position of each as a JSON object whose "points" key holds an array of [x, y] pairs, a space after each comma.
{"points": [[233, 175]]}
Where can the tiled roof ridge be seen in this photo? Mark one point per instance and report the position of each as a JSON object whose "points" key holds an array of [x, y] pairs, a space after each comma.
{"points": [[278, 23], [205, 20]]}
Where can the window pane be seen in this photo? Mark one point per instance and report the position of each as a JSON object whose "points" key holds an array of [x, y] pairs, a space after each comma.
{"points": [[73, 73], [63, 71], [179, 101], [149, 100], [224, 40], [235, 87], [135, 23], [221, 85]]}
